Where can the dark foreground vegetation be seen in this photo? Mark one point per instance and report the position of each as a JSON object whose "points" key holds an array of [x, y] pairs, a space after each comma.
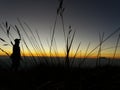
{"points": [[45, 77], [61, 78]]}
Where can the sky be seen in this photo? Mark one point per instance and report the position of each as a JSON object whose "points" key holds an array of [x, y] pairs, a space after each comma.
{"points": [[87, 17]]}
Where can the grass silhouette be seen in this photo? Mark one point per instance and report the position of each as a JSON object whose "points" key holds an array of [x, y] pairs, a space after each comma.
{"points": [[44, 75], [52, 73]]}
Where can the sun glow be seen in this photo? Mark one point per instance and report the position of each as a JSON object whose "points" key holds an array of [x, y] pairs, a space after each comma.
{"points": [[60, 53]]}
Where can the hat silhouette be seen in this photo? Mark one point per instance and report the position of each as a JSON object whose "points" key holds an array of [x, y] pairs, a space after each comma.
{"points": [[17, 40]]}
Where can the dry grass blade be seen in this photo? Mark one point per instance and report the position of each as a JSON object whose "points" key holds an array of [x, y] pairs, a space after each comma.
{"points": [[29, 51], [53, 33], [29, 39], [5, 44], [2, 40], [63, 28], [4, 52], [117, 30], [8, 31], [68, 47], [71, 42], [6, 24], [34, 41], [2, 28], [75, 54], [18, 31], [36, 44], [116, 46], [100, 47], [43, 52], [43, 49], [56, 50], [84, 59], [11, 43], [109, 48]]}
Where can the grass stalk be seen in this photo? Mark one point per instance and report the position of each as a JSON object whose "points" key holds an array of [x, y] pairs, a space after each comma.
{"points": [[20, 23], [63, 28], [43, 49], [84, 59], [100, 47], [75, 54], [69, 43], [113, 33], [53, 34], [116, 47]]}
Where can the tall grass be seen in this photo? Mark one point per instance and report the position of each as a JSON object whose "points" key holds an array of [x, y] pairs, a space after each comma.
{"points": [[108, 37], [116, 46], [29, 39], [100, 47], [42, 47], [34, 40], [84, 59], [76, 52], [69, 43], [37, 45]]}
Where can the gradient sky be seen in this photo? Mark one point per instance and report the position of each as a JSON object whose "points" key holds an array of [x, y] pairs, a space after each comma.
{"points": [[87, 17]]}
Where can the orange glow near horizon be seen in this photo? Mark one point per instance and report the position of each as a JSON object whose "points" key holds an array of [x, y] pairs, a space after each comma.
{"points": [[62, 54], [109, 53]]}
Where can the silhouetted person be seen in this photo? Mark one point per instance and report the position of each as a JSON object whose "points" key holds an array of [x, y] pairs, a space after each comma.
{"points": [[16, 56]]}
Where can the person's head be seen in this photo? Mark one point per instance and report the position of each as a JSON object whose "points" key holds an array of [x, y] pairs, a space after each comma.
{"points": [[17, 41]]}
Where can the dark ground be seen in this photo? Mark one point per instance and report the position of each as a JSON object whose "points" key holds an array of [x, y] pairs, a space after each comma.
{"points": [[60, 78]]}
